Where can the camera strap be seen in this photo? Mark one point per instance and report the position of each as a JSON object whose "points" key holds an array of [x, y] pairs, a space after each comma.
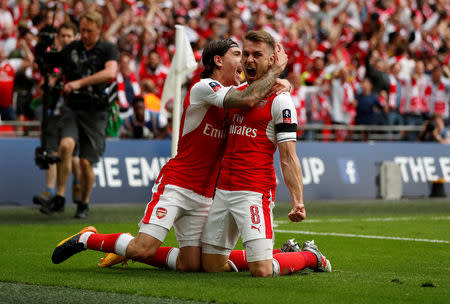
{"points": [[111, 92]]}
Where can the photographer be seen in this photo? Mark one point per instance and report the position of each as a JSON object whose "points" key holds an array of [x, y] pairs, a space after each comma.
{"points": [[434, 130], [88, 66], [66, 34]]}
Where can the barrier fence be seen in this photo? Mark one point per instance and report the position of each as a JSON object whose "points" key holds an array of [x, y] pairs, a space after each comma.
{"points": [[128, 169], [319, 131]]}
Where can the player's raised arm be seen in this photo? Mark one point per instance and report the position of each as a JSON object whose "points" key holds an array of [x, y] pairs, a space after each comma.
{"points": [[286, 131], [291, 169], [258, 89]]}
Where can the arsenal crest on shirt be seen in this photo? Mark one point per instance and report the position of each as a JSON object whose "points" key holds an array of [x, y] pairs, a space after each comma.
{"points": [[215, 86], [261, 104], [287, 116], [161, 212]]}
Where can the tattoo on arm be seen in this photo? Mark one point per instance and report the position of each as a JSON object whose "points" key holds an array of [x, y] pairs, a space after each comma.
{"points": [[253, 93]]}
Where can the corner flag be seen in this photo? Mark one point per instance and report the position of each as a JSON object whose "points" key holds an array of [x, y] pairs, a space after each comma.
{"points": [[182, 64]]}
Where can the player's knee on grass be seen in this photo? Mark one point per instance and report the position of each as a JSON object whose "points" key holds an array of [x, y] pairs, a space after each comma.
{"points": [[142, 247], [189, 267], [189, 259], [215, 258], [261, 268], [215, 263], [259, 257]]}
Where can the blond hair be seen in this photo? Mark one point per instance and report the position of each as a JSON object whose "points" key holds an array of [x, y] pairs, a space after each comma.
{"points": [[93, 16]]}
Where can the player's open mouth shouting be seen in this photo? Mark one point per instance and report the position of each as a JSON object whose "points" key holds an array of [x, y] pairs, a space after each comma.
{"points": [[251, 72]]}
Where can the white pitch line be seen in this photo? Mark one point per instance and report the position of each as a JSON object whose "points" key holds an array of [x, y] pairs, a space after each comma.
{"points": [[336, 220], [362, 236], [437, 218], [372, 219], [391, 219]]}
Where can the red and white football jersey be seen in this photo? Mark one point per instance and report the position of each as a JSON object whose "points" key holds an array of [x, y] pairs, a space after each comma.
{"points": [[158, 76], [202, 139], [6, 84], [437, 98], [252, 141]]}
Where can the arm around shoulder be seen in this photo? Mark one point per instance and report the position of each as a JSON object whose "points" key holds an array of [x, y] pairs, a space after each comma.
{"points": [[251, 95]]}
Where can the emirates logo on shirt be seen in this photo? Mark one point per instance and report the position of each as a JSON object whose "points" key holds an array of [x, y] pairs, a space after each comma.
{"points": [[161, 212], [209, 130], [238, 128], [243, 130]]}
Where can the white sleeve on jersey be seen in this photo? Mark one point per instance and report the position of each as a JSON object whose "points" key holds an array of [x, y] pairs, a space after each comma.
{"points": [[285, 118], [209, 91]]}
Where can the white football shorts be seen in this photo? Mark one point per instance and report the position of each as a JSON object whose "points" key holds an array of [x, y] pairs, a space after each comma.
{"points": [[181, 208], [246, 212]]}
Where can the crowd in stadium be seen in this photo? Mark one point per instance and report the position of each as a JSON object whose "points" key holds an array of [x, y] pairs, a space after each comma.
{"points": [[375, 62]]}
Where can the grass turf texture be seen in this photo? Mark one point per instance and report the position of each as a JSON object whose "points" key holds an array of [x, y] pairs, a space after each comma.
{"points": [[364, 270]]}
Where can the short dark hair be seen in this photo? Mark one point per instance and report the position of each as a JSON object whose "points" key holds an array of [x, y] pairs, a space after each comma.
{"points": [[367, 78], [212, 49], [153, 51], [261, 36], [436, 68], [68, 26]]}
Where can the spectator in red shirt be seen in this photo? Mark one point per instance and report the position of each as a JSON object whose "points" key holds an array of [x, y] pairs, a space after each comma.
{"points": [[127, 84], [315, 74], [8, 70], [384, 31], [151, 68]]}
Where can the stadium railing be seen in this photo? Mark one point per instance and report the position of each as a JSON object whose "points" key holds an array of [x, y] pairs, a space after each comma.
{"points": [[320, 132], [323, 132], [16, 128]]}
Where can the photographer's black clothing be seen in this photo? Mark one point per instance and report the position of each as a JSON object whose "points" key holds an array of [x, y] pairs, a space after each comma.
{"points": [[79, 63], [88, 129], [85, 115], [51, 132]]}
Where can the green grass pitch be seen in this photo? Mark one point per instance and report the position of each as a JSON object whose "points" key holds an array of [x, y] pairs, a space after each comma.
{"points": [[381, 252]]}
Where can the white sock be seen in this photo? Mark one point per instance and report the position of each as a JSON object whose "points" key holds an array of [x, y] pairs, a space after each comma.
{"points": [[84, 238], [172, 258], [233, 267], [122, 242], [275, 268]]}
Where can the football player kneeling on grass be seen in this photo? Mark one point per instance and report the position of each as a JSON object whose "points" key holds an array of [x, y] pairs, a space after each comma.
{"points": [[182, 195], [245, 191]]}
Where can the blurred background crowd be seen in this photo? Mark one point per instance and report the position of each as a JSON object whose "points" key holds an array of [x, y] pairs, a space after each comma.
{"points": [[375, 62]]}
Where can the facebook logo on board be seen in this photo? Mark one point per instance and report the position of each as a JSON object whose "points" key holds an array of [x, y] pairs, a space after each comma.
{"points": [[348, 171]]}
